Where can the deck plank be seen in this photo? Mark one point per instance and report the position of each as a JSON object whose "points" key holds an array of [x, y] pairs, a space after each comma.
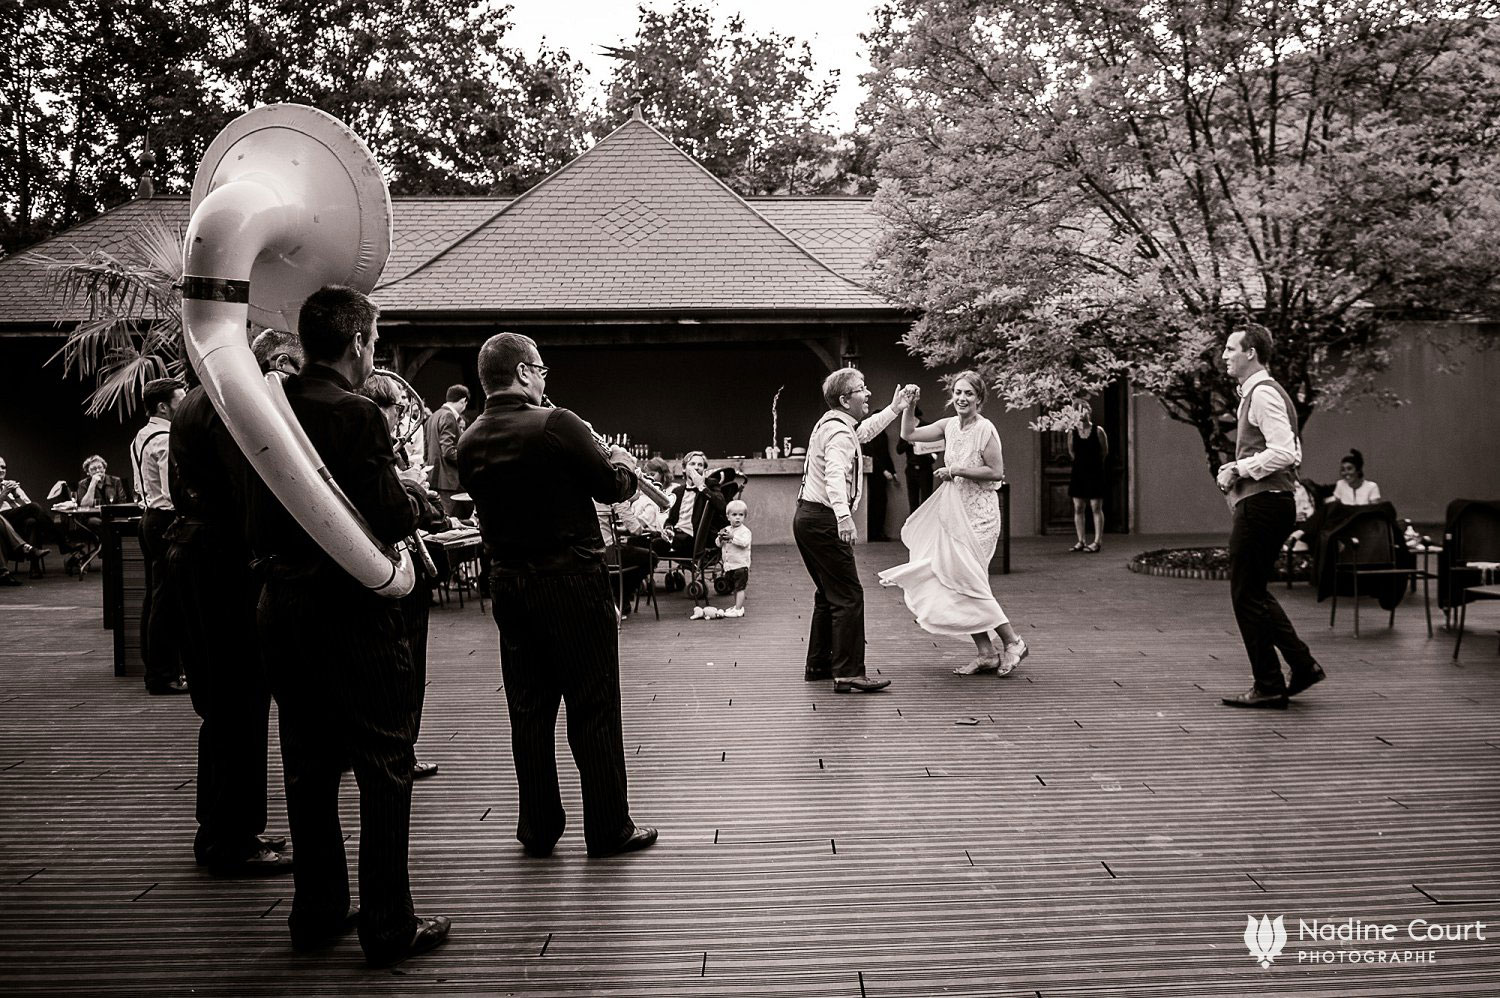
{"points": [[1104, 828]]}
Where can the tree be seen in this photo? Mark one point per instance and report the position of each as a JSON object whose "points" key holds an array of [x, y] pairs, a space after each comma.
{"points": [[749, 107], [1080, 192]]}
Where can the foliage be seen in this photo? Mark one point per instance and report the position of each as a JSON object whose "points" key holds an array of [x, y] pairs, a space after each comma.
{"points": [[751, 108], [1081, 192], [133, 329], [432, 86]]}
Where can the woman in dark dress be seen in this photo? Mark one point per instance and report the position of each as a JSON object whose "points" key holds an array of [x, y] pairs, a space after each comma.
{"points": [[1088, 446]]}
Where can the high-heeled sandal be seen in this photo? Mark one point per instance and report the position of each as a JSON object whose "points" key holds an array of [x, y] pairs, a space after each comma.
{"points": [[1013, 654], [978, 665], [1093, 548]]}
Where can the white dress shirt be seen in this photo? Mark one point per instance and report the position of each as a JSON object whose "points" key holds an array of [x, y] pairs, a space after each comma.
{"points": [[834, 460], [148, 456]]}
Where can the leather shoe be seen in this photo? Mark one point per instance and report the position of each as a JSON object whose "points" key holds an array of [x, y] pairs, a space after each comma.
{"points": [[1303, 680], [816, 676], [1255, 698], [307, 942], [175, 687], [275, 843], [639, 838], [261, 863], [860, 684], [431, 933], [536, 850], [423, 769]]}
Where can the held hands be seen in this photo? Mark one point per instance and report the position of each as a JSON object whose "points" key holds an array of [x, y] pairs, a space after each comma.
{"points": [[846, 529], [905, 395]]}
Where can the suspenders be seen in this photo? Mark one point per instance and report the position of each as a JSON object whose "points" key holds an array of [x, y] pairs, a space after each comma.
{"points": [[853, 479]]}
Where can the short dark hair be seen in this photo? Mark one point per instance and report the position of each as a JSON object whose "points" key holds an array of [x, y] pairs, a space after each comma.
{"points": [[331, 318], [457, 393], [498, 359], [159, 390], [1257, 338], [1355, 458], [272, 343]]}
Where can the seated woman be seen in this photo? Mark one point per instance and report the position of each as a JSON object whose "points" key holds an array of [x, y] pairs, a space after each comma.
{"points": [[1354, 489], [618, 524], [697, 510]]}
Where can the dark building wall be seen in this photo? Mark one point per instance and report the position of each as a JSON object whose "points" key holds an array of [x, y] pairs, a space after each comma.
{"points": [[44, 435]]}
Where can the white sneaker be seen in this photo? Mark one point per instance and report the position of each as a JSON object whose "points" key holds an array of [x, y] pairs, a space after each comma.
{"points": [[697, 613], [1012, 657]]}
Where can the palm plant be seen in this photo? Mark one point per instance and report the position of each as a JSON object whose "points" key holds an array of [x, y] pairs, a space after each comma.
{"points": [[133, 329]]}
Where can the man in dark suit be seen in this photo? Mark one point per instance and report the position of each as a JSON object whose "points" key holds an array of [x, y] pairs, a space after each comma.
{"points": [[919, 470], [208, 570], [440, 434], [534, 474], [882, 476], [336, 654]]}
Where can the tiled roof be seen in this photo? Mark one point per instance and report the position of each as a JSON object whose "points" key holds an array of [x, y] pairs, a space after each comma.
{"points": [[633, 224], [840, 231]]}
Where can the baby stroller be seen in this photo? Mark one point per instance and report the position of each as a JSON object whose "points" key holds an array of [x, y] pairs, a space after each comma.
{"points": [[694, 574]]}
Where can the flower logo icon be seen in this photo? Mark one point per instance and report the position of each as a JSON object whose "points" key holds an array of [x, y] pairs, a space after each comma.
{"points": [[1265, 938]]}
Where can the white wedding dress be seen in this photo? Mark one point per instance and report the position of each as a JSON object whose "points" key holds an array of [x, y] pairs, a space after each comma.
{"points": [[951, 538]]}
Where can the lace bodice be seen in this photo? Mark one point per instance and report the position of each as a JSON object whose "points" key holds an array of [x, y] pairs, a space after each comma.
{"points": [[965, 449]]}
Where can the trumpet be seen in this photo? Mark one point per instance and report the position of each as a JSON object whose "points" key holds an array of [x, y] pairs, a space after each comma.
{"points": [[406, 428], [648, 487]]}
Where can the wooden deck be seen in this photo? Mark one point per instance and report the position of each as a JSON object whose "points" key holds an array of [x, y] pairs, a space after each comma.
{"points": [[1094, 825]]}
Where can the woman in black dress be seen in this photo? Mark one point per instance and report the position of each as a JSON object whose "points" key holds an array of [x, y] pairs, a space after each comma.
{"points": [[1088, 446]]}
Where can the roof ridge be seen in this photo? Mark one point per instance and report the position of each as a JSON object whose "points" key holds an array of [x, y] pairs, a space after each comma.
{"points": [[503, 209]]}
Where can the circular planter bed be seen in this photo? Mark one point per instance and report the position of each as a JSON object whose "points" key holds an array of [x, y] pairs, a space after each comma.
{"points": [[1202, 563]]}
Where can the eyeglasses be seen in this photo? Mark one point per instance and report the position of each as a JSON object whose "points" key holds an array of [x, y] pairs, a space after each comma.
{"points": [[541, 369]]}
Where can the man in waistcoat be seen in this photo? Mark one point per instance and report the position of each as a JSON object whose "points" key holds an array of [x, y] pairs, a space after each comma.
{"points": [[1259, 485], [823, 527]]}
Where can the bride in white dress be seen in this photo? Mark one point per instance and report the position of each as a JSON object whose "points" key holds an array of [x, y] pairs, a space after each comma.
{"points": [[951, 536]]}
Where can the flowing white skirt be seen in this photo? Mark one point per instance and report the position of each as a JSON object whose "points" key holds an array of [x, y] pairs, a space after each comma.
{"points": [[947, 580]]}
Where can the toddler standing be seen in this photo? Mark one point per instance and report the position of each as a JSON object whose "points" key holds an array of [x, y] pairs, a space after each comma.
{"points": [[734, 545]]}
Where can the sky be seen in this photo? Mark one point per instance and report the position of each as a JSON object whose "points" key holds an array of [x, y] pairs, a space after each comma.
{"points": [[830, 27]]}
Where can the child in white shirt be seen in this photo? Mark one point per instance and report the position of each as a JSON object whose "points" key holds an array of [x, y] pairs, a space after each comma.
{"points": [[734, 544]]}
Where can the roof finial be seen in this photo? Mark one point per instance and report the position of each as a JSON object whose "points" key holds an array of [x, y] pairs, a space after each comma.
{"points": [[636, 100], [144, 187]]}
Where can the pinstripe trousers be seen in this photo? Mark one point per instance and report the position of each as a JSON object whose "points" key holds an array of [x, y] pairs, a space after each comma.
{"points": [[557, 645], [341, 673]]}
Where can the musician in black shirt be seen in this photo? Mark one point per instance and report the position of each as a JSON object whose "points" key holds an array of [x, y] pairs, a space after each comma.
{"points": [[208, 571], [534, 474], [337, 657]]}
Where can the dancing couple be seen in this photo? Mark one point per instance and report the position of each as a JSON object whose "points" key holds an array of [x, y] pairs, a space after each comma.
{"points": [[951, 536]]}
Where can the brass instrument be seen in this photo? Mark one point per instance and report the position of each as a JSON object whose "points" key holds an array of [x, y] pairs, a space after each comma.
{"points": [[648, 487], [286, 200], [406, 428]]}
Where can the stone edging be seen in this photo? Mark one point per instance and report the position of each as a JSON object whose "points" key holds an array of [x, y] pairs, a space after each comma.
{"points": [[1210, 574]]}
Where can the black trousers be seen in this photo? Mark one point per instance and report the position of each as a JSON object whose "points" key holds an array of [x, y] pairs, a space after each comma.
{"points": [[1262, 522], [836, 641], [159, 625], [919, 485], [557, 645], [634, 563], [216, 596], [875, 504], [416, 608], [339, 668]]}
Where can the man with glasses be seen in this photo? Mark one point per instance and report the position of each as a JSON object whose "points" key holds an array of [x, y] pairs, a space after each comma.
{"points": [[534, 473], [208, 569], [823, 527]]}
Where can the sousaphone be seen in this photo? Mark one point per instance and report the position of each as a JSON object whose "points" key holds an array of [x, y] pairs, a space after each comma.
{"points": [[286, 200]]}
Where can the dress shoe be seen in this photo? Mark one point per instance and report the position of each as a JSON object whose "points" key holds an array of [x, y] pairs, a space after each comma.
{"points": [[537, 850], [431, 933], [639, 838], [816, 675], [307, 942], [261, 863], [421, 770], [173, 688], [275, 843], [860, 684], [7, 579], [1303, 680], [1255, 698]]}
